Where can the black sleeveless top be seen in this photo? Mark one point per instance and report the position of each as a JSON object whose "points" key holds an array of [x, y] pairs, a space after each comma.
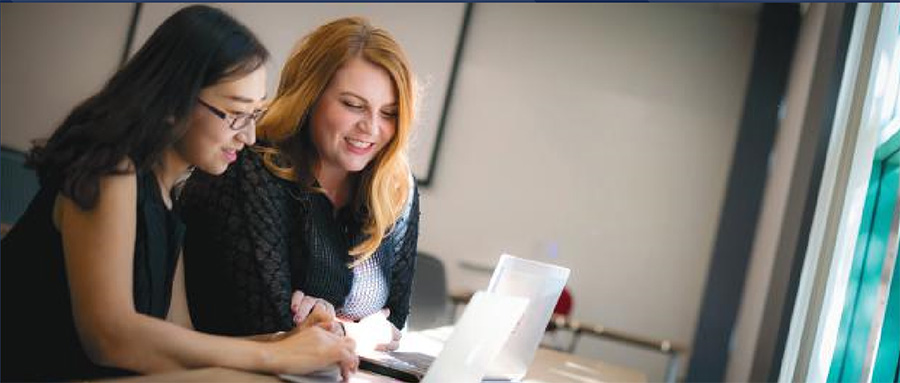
{"points": [[39, 339]]}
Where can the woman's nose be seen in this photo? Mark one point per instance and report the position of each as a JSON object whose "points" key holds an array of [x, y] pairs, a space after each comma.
{"points": [[368, 125], [247, 135]]}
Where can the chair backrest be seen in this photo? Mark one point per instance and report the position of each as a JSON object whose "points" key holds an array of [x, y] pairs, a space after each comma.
{"points": [[429, 302], [19, 185]]}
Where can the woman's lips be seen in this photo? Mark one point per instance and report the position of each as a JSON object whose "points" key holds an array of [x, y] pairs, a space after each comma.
{"points": [[358, 146], [230, 155]]}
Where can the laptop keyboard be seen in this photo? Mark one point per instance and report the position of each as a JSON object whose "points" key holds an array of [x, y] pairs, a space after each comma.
{"points": [[404, 366], [421, 362]]}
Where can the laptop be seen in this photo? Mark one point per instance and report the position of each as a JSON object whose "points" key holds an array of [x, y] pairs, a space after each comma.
{"points": [[465, 353], [540, 283]]}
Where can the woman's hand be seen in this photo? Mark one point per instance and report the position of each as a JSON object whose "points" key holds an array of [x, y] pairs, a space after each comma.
{"points": [[374, 332], [318, 317], [305, 350], [302, 306], [311, 311]]}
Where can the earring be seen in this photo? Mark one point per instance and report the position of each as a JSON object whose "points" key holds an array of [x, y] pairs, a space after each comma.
{"points": [[179, 184]]}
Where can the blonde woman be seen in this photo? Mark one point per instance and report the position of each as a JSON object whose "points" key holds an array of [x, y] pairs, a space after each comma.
{"points": [[324, 210]]}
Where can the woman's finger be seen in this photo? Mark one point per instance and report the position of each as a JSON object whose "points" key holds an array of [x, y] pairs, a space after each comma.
{"points": [[304, 308], [349, 363], [296, 298], [327, 305], [392, 346], [318, 316], [349, 343]]}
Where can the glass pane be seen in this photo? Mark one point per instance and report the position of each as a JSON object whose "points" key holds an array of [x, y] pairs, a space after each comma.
{"points": [[863, 303], [888, 356]]}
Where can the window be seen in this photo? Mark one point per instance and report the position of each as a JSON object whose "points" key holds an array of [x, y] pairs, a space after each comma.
{"points": [[868, 338]]}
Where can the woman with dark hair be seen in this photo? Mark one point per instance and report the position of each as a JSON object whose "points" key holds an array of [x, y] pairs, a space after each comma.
{"points": [[89, 270]]}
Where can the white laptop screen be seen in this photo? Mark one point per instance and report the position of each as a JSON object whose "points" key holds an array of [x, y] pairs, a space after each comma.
{"points": [[542, 284], [479, 335]]}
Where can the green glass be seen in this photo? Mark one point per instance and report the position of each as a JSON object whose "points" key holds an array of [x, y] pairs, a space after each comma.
{"points": [[861, 304]]}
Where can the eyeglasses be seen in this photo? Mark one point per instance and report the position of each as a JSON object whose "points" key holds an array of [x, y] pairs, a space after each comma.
{"points": [[235, 121]]}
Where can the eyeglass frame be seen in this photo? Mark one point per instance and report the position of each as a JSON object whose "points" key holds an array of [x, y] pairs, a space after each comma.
{"points": [[224, 116]]}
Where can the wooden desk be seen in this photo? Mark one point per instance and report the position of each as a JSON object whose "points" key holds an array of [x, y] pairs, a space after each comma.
{"points": [[554, 366], [549, 366], [675, 351], [218, 374]]}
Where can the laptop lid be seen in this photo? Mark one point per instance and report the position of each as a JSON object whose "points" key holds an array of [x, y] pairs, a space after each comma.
{"points": [[541, 284], [477, 338]]}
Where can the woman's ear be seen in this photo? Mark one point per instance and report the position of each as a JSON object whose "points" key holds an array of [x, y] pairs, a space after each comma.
{"points": [[178, 128]]}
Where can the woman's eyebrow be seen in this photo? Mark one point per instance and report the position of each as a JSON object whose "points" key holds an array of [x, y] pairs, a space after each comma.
{"points": [[363, 99], [245, 99], [349, 93]]}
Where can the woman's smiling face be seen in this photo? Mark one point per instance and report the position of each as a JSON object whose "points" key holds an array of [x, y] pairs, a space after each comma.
{"points": [[210, 143], [355, 118]]}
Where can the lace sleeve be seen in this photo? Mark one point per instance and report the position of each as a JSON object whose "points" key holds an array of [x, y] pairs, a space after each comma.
{"points": [[404, 263], [236, 250]]}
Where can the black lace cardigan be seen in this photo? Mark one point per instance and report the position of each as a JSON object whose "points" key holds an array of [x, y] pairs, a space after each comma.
{"points": [[253, 238]]}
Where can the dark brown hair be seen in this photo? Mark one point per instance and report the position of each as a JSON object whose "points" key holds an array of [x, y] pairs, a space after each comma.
{"points": [[140, 111]]}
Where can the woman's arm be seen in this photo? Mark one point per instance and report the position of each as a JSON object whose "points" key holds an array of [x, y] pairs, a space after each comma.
{"points": [[404, 264], [99, 252], [179, 313], [236, 249]]}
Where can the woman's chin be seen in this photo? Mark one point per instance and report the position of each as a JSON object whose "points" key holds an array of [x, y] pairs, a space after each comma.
{"points": [[214, 169], [355, 166]]}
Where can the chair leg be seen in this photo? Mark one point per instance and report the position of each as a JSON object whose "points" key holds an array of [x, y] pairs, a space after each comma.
{"points": [[576, 335], [672, 368]]}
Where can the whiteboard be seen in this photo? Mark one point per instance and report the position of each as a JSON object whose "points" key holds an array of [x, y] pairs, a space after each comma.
{"points": [[427, 32]]}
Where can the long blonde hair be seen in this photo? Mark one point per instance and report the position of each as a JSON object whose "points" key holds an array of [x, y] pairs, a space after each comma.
{"points": [[384, 185]]}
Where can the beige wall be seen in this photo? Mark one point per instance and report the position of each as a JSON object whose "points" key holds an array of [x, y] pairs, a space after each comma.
{"points": [[602, 133], [606, 131], [54, 56], [427, 32]]}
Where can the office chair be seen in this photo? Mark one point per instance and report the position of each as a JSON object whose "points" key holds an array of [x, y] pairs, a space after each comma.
{"points": [[19, 186], [429, 304]]}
